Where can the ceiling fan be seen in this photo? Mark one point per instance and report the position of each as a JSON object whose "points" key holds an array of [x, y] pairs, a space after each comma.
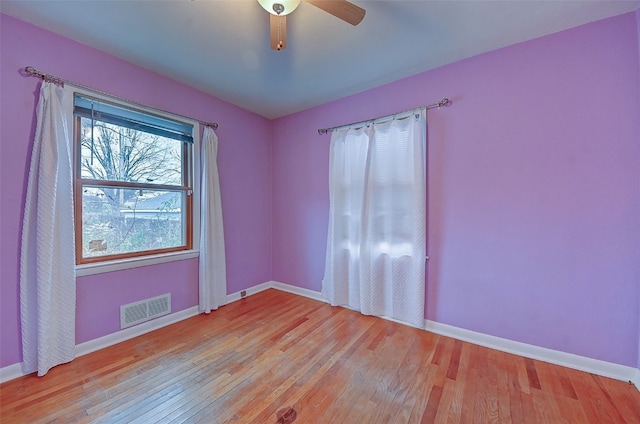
{"points": [[279, 9]]}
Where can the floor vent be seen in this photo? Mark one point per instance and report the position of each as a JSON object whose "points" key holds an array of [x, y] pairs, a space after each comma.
{"points": [[135, 313]]}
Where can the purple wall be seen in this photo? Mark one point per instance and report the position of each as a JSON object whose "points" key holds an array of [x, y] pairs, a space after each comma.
{"points": [[245, 173], [533, 187], [638, 138], [533, 190]]}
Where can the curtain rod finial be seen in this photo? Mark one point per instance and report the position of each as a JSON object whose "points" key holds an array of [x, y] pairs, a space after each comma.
{"points": [[30, 70]]}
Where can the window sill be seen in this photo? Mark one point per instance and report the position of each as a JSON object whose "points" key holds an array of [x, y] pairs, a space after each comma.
{"points": [[118, 265]]}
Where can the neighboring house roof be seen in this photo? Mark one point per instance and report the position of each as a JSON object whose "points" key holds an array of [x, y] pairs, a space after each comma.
{"points": [[163, 202]]}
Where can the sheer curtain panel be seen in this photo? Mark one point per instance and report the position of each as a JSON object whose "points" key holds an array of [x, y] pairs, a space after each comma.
{"points": [[47, 256], [347, 163], [376, 245], [212, 265]]}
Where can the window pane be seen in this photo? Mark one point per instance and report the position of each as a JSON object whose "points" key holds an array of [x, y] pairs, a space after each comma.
{"points": [[118, 220], [115, 153]]}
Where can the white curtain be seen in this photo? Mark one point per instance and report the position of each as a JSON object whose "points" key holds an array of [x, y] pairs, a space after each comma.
{"points": [[47, 256], [376, 245], [212, 266]]}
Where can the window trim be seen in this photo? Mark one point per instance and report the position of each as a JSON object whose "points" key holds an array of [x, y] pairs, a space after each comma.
{"points": [[139, 261], [99, 264]]}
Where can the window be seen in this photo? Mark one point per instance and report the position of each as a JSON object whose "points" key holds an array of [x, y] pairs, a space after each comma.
{"points": [[388, 187], [133, 182], [376, 243]]}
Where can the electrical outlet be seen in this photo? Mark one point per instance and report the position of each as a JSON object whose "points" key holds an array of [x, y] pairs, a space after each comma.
{"points": [[243, 293]]}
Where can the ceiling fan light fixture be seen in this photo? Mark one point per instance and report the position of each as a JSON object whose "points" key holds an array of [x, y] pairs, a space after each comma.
{"points": [[279, 7]]}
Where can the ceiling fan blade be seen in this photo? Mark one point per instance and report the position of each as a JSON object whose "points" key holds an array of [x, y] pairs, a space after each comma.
{"points": [[341, 9], [278, 26]]}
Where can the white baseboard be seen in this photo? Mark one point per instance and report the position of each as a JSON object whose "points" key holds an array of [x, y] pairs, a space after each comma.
{"points": [[311, 294], [15, 370], [10, 372], [636, 379], [570, 360], [135, 331], [582, 363], [253, 290]]}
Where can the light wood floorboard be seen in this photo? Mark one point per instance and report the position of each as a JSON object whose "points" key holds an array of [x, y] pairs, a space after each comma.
{"points": [[253, 360]]}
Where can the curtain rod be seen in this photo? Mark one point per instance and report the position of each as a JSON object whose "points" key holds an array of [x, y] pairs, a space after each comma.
{"points": [[30, 70], [438, 104]]}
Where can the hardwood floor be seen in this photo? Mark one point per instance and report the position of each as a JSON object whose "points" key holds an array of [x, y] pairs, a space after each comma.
{"points": [[255, 360]]}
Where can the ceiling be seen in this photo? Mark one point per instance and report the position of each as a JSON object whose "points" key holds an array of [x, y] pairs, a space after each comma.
{"points": [[222, 47]]}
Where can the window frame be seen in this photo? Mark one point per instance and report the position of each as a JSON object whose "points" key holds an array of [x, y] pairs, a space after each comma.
{"points": [[190, 188]]}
